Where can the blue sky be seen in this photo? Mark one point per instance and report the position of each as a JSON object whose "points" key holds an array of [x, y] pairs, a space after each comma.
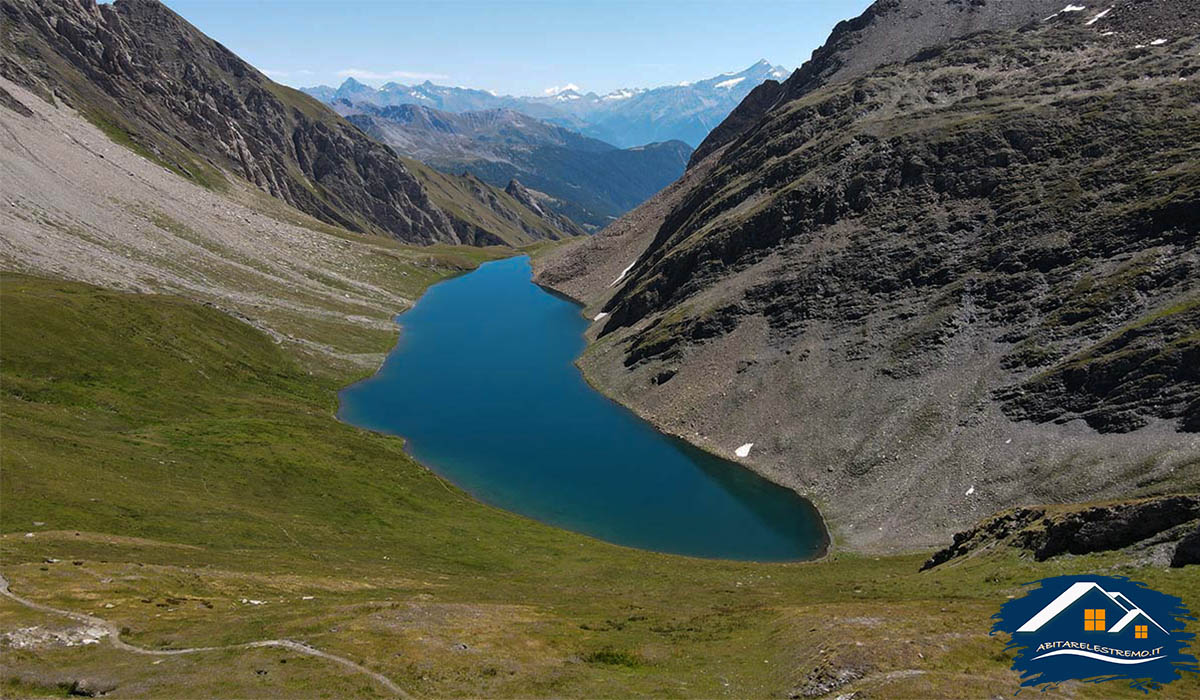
{"points": [[519, 47]]}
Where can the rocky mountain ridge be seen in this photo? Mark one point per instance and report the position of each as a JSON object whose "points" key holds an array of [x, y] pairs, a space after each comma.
{"points": [[625, 118], [156, 83], [888, 31], [545, 205], [961, 280], [588, 180]]}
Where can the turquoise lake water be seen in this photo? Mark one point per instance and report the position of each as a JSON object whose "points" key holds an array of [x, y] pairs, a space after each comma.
{"points": [[482, 385]]}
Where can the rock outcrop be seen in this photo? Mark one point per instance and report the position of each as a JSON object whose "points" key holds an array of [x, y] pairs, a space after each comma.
{"points": [[1188, 550], [1048, 532]]}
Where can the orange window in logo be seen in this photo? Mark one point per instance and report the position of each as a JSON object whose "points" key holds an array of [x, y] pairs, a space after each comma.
{"points": [[1141, 631], [1093, 620]]}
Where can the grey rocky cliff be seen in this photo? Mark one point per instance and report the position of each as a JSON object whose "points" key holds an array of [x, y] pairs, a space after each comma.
{"points": [[1164, 527], [138, 68], [958, 282]]}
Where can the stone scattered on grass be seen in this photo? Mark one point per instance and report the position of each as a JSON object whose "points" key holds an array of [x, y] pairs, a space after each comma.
{"points": [[37, 637]]}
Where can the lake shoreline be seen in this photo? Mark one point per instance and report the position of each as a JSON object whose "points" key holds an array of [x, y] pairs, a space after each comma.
{"points": [[819, 543]]}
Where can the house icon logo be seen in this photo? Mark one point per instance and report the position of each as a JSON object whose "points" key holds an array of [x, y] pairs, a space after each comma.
{"points": [[1097, 628], [1096, 619]]}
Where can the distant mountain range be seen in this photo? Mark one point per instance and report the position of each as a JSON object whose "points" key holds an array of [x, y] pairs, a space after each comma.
{"points": [[586, 179], [628, 117]]}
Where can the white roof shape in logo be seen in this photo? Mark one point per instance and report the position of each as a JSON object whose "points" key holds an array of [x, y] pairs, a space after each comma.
{"points": [[1076, 591]]}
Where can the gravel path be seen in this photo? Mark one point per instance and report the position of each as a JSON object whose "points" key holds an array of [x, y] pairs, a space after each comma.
{"points": [[114, 636]]}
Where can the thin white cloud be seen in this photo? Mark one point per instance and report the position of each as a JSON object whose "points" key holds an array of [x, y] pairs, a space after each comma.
{"points": [[363, 74], [552, 91]]}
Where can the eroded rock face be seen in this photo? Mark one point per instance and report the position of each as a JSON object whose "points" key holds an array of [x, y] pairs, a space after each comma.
{"points": [[136, 67], [1151, 368], [949, 193], [999, 528], [1048, 533]]}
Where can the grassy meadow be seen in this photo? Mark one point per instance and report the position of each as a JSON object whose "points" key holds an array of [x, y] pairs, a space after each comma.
{"points": [[174, 470]]}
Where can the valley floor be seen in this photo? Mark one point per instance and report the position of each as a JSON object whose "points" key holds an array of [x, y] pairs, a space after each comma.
{"points": [[181, 476]]}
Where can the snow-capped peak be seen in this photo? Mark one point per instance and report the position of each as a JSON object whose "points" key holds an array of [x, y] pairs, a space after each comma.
{"points": [[558, 90], [622, 94]]}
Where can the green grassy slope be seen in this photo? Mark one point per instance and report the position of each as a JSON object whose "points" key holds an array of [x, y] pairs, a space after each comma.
{"points": [[474, 203], [180, 463]]}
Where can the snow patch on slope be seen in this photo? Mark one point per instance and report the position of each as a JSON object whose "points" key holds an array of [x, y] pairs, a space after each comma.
{"points": [[1099, 16], [623, 273], [1068, 8]]}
